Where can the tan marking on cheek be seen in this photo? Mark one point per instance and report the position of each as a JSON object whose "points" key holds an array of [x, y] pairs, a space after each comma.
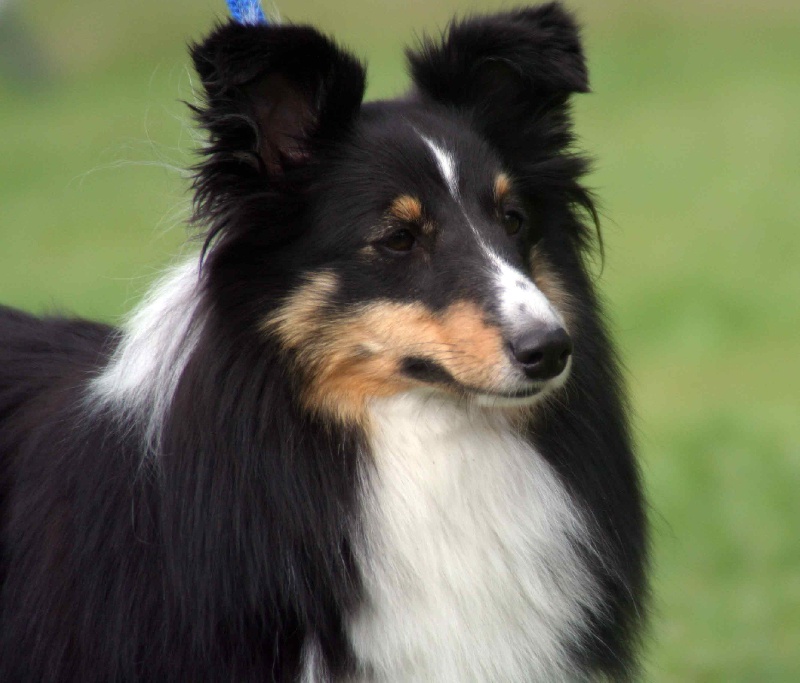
{"points": [[342, 358], [407, 208], [362, 352], [343, 388], [458, 338], [297, 321], [351, 358], [502, 187], [552, 286]]}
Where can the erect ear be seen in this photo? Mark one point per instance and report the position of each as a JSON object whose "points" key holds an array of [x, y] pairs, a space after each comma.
{"points": [[507, 70], [272, 93]]}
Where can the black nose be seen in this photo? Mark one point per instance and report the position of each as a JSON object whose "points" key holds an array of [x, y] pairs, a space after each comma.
{"points": [[543, 353]]}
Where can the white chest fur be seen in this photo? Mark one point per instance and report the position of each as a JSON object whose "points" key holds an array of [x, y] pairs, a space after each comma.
{"points": [[470, 569]]}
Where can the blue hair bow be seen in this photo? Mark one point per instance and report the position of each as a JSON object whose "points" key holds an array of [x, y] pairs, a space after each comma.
{"points": [[247, 12]]}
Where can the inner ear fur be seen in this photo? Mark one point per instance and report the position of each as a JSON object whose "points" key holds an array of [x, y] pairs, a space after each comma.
{"points": [[504, 68], [285, 120], [273, 92]]}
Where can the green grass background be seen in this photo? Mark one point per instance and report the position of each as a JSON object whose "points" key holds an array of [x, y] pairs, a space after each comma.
{"points": [[695, 122]]}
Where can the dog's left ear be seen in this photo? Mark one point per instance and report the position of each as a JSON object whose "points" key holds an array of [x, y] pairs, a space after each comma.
{"points": [[507, 71], [274, 96], [272, 92]]}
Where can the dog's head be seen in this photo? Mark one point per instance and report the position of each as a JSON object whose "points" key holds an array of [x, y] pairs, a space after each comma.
{"points": [[430, 241]]}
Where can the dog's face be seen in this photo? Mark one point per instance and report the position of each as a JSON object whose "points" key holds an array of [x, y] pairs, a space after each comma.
{"points": [[423, 270], [410, 244]]}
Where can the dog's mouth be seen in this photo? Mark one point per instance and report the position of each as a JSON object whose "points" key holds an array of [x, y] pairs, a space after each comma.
{"points": [[510, 399], [431, 373], [427, 371], [521, 395]]}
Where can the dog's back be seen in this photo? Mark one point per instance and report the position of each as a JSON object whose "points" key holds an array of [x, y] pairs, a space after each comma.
{"points": [[41, 360], [36, 353], [44, 364]]}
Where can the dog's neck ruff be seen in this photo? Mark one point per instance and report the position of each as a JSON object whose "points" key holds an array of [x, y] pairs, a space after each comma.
{"points": [[470, 558]]}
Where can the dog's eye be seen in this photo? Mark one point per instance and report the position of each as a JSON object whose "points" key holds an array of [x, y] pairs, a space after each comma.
{"points": [[513, 222], [400, 241]]}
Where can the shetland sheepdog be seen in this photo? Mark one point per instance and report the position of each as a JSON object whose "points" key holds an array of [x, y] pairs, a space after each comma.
{"points": [[374, 430]]}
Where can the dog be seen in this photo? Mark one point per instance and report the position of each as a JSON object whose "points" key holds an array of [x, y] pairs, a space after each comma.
{"points": [[375, 429]]}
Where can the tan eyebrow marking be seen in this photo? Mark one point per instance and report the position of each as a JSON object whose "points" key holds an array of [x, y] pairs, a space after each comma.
{"points": [[502, 186], [407, 208]]}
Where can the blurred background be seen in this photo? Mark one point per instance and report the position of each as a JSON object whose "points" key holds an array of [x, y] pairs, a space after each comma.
{"points": [[695, 125]]}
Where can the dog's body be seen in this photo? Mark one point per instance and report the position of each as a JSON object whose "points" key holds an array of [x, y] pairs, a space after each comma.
{"points": [[375, 433]]}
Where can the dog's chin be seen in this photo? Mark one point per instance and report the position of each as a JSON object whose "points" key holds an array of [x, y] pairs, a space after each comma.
{"points": [[511, 400], [519, 392], [527, 395]]}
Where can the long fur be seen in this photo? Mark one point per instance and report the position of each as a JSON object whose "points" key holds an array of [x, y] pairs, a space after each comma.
{"points": [[375, 431]]}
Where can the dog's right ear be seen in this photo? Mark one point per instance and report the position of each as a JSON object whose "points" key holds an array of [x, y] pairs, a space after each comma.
{"points": [[509, 71], [272, 95]]}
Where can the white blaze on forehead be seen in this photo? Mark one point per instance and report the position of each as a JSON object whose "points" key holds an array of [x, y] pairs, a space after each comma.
{"points": [[522, 303], [446, 162]]}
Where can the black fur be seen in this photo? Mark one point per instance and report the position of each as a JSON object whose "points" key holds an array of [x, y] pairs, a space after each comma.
{"points": [[217, 557]]}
